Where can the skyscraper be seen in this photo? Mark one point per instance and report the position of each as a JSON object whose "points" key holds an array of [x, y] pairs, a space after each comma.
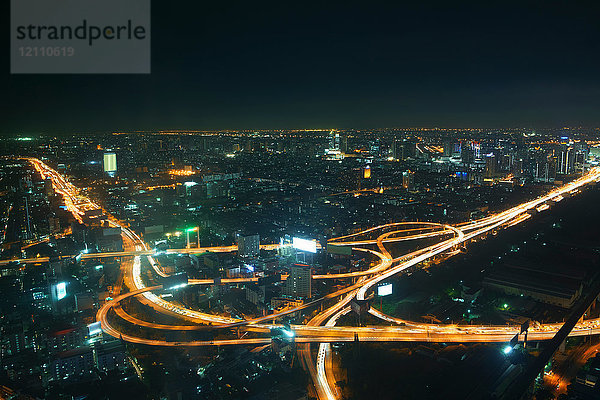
{"points": [[110, 163], [344, 144], [397, 150], [334, 140], [401, 150], [468, 156], [299, 281], [490, 166], [408, 180], [333, 152], [566, 160], [448, 148]]}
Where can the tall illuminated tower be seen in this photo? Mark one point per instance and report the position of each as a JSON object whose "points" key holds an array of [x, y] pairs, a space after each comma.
{"points": [[110, 163]]}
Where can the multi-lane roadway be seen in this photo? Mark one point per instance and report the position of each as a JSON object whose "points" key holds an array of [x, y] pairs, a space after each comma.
{"points": [[323, 327]]}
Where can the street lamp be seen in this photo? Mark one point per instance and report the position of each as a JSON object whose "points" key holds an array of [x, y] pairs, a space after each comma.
{"points": [[187, 232]]}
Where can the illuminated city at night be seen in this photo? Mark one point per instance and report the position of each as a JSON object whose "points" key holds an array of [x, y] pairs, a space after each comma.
{"points": [[297, 201]]}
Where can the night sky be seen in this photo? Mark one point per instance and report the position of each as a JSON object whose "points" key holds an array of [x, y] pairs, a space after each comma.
{"points": [[237, 65]]}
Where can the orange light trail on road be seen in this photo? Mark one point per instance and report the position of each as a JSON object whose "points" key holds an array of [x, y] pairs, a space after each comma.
{"points": [[314, 332]]}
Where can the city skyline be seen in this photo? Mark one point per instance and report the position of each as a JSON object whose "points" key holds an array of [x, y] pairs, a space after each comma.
{"points": [[304, 201], [266, 248]]}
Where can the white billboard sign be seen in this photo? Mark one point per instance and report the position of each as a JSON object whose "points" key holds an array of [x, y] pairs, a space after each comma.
{"points": [[309, 246], [384, 290]]}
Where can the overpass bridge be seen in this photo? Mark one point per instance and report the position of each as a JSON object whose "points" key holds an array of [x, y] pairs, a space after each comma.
{"points": [[321, 329]]}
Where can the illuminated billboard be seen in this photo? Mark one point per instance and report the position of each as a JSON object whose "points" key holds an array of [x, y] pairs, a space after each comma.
{"points": [[61, 290], [384, 290], [309, 246], [94, 329]]}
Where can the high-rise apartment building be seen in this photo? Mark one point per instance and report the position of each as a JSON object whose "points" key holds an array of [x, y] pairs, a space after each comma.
{"points": [[299, 281]]}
